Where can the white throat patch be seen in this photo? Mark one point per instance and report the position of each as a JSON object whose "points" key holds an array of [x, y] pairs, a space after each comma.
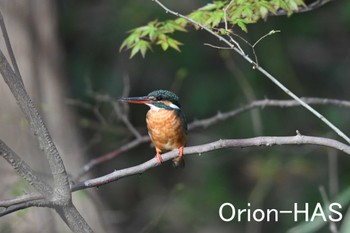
{"points": [[155, 108]]}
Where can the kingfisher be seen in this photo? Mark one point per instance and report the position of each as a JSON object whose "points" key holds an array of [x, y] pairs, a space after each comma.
{"points": [[166, 123]]}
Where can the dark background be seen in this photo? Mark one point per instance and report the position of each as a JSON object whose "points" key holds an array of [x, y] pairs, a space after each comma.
{"points": [[311, 56]]}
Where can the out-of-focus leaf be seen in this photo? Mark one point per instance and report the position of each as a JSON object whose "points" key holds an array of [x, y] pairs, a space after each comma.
{"points": [[213, 6], [237, 13], [242, 25], [141, 46], [174, 44]]}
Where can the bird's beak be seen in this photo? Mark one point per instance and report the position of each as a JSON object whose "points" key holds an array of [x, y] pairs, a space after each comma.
{"points": [[136, 100]]}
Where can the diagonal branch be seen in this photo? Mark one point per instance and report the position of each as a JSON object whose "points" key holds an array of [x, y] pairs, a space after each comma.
{"points": [[266, 103], [111, 155], [260, 69]]}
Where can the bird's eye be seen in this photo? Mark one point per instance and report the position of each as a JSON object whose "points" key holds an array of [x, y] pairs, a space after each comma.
{"points": [[159, 97]]}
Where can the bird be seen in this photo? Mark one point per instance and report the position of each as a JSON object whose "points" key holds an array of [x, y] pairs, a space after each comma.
{"points": [[166, 123]]}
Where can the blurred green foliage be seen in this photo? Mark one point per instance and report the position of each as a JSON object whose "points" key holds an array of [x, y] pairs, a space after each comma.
{"points": [[230, 13], [311, 56]]}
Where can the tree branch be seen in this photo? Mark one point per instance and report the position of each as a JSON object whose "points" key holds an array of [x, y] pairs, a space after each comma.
{"points": [[200, 149], [204, 123], [266, 103], [111, 155], [25, 205], [21, 199]]}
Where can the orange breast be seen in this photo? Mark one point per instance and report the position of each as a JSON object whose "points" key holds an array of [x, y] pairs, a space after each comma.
{"points": [[165, 129]]}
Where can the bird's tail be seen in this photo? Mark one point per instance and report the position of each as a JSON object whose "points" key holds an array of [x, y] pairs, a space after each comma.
{"points": [[179, 162]]}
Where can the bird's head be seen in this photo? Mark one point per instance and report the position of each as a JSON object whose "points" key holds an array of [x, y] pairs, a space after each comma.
{"points": [[156, 100]]}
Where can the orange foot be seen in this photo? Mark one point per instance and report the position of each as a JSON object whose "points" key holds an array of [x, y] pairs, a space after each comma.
{"points": [[181, 150], [159, 158]]}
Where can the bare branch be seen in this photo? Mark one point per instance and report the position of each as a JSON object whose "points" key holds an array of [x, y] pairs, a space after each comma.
{"points": [[200, 149], [265, 103], [25, 205], [105, 98], [211, 121], [126, 121], [111, 155]]}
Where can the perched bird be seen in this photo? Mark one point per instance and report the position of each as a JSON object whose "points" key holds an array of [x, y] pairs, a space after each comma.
{"points": [[166, 123]]}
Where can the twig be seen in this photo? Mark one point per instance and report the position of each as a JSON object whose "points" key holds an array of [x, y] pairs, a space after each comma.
{"points": [[111, 155], [264, 36], [261, 70], [108, 99], [216, 47], [226, 27], [225, 14], [258, 41], [127, 122]]}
